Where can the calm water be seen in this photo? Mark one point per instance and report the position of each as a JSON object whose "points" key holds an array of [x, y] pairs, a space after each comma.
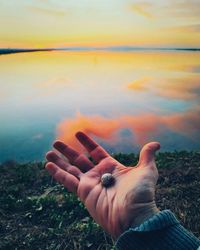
{"points": [[123, 99]]}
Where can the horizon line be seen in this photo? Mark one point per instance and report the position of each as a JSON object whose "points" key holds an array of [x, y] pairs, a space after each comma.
{"points": [[102, 48]]}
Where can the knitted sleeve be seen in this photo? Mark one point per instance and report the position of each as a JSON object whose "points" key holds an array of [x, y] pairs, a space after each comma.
{"points": [[161, 232]]}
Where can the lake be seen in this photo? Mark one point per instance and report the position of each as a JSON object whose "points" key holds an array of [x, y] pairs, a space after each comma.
{"points": [[122, 99]]}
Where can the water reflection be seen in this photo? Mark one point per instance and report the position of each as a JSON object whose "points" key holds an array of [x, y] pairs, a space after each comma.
{"points": [[130, 98]]}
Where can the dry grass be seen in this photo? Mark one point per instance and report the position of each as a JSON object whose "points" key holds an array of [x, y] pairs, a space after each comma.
{"points": [[36, 213]]}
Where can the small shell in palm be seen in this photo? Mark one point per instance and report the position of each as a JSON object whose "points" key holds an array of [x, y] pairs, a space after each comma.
{"points": [[107, 180]]}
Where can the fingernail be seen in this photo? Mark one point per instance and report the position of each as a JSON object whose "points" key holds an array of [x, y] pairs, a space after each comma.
{"points": [[59, 145]]}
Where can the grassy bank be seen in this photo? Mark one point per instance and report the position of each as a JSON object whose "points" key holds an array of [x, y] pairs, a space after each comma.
{"points": [[36, 213]]}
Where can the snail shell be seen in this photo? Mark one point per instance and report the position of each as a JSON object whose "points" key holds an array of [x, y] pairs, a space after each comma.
{"points": [[107, 180]]}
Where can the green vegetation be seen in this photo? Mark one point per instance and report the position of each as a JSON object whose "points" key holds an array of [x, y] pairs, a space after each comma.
{"points": [[37, 213], [12, 51]]}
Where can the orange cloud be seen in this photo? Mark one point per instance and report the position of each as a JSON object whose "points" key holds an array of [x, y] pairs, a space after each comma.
{"points": [[174, 88], [185, 89], [186, 123], [139, 84], [143, 9], [179, 88], [92, 125], [144, 127]]}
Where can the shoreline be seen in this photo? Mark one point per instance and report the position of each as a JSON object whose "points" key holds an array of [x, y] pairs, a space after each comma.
{"points": [[125, 158], [4, 51]]}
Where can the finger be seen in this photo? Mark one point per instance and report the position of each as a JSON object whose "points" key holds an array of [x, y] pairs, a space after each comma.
{"points": [[95, 150], [69, 181], [147, 154], [74, 157], [53, 157]]}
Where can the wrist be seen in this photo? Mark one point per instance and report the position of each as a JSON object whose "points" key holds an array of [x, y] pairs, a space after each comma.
{"points": [[135, 216], [143, 212]]}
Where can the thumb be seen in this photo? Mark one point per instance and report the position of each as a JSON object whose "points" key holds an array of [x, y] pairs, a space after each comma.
{"points": [[147, 154]]}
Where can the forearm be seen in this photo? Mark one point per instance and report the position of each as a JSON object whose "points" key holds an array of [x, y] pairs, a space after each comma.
{"points": [[161, 231]]}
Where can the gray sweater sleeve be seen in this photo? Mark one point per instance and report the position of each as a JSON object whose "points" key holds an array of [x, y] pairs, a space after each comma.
{"points": [[161, 232]]}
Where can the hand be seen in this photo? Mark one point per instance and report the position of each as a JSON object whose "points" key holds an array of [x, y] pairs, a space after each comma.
{"points": [[128, 202]]}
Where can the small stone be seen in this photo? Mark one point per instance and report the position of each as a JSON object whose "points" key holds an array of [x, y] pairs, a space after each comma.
{"points": [[107, 180]]}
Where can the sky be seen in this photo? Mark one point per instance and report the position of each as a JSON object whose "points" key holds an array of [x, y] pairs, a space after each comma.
{"points": [[60, 23]]}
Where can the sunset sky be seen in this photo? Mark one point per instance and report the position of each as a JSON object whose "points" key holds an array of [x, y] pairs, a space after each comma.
{"points": [[123, 98], [59, 23]]}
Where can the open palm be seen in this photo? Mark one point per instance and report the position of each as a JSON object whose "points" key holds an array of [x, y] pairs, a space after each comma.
{"points": [[128, 202]]}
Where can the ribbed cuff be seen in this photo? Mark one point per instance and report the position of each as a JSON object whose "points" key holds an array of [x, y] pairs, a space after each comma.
{"points": [[161, 231]]}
